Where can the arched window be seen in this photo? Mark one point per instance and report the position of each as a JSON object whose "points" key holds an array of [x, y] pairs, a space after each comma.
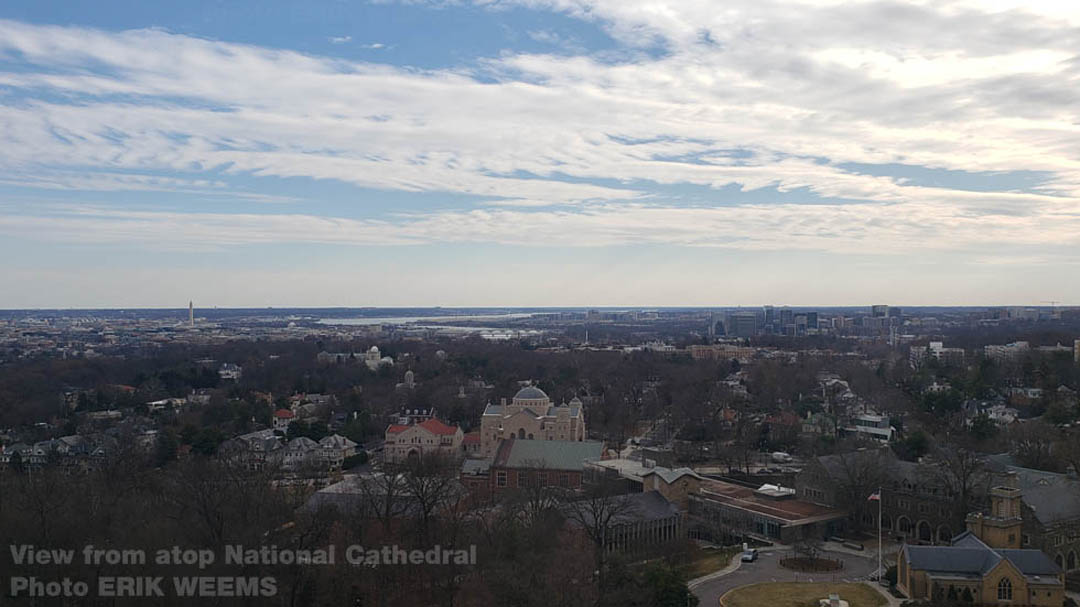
{"points": [[924, 531], [903, 525], [521, 432], [1005, 589], [1071, 561]]}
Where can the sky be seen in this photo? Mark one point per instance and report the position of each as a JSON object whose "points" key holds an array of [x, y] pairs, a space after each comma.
{"points": [[539, 153]]}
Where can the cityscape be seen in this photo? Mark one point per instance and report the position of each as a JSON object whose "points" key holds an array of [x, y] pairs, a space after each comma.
{"points": [[540, 303], [692, 452]]}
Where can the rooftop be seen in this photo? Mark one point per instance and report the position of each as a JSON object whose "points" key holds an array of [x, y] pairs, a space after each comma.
{"points": [[530, 393], [970, 556], [790, 511], [552, 454]]}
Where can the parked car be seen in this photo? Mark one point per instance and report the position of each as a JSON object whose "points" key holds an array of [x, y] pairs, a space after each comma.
{"points": [[749, 556]]}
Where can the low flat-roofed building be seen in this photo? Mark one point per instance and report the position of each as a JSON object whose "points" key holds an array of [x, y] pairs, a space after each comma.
{"points": [[770, 512], [641, 522]]}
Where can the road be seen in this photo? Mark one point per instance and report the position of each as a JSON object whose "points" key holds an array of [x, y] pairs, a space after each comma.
{"points": [[767, 569]]}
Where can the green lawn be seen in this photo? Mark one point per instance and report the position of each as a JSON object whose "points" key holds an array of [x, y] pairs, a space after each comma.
{"points": [[705, 562], [796, 594]]}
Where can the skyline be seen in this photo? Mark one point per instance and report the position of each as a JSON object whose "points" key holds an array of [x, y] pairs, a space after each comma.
{"points": [[539, 153], [613, 307]]}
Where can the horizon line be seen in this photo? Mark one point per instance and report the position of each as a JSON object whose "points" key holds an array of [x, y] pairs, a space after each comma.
{"points": [[534, 307]]}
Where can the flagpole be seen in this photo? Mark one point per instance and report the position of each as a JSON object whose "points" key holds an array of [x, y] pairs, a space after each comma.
{"points": [[881, 498]]}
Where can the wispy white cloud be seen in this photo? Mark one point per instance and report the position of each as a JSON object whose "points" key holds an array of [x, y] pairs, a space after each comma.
{"points": [[845, 229], [340, 39], [580, 150]]}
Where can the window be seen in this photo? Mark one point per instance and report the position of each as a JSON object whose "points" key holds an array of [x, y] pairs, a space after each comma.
{"points": [[541, 479], [523, 478], [564, 480], [500, 478], [1005, 589], [1027, 540]]}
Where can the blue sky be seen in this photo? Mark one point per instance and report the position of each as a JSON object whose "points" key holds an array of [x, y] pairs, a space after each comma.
{"points": [[538, 152]]}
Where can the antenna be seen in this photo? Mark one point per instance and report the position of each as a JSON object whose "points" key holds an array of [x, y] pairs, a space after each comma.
{"points": [[1053, 307]]}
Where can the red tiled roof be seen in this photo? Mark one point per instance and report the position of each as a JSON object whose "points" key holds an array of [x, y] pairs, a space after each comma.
{"points": [[435, 426], [784, 418], [283, 414], [472, 438], [432, 425]]}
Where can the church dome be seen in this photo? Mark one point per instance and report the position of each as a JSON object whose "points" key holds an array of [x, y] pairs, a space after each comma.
{"points": [[530, 393]]}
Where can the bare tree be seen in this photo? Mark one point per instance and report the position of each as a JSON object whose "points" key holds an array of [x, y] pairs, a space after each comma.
{"points": [[962, 473], [1067, 448], [597, 512], [858, 474], [431, 486], [808, 546], [1033, 445]]}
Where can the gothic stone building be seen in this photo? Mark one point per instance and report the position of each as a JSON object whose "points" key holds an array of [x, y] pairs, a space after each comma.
{"points": [[984, 565], [916, 507]]}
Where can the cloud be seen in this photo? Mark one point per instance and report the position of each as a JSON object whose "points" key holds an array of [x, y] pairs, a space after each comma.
{"points": [[579, 149], [373, 45], [843, 229], [340, 39]]}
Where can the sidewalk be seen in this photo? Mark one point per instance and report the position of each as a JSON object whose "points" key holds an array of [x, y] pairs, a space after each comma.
{"points": [[869, 550], [893, 601]]}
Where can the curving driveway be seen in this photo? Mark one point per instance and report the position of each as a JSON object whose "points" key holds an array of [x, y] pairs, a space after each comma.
{"points": [[768, 569]]}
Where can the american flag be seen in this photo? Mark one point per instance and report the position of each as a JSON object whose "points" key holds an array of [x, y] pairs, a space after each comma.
{"points": [[875, 496]]}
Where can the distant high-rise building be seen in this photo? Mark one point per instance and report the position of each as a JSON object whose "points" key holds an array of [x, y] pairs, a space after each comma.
{"points": [[770, 315], [879, 311], [1076, 351], [811, 320], [191, 313], [800, 324], [741, 324], [787, 316]]}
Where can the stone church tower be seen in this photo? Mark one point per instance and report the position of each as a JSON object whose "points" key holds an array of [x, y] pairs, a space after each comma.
{"points": [[1000, 528]]}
